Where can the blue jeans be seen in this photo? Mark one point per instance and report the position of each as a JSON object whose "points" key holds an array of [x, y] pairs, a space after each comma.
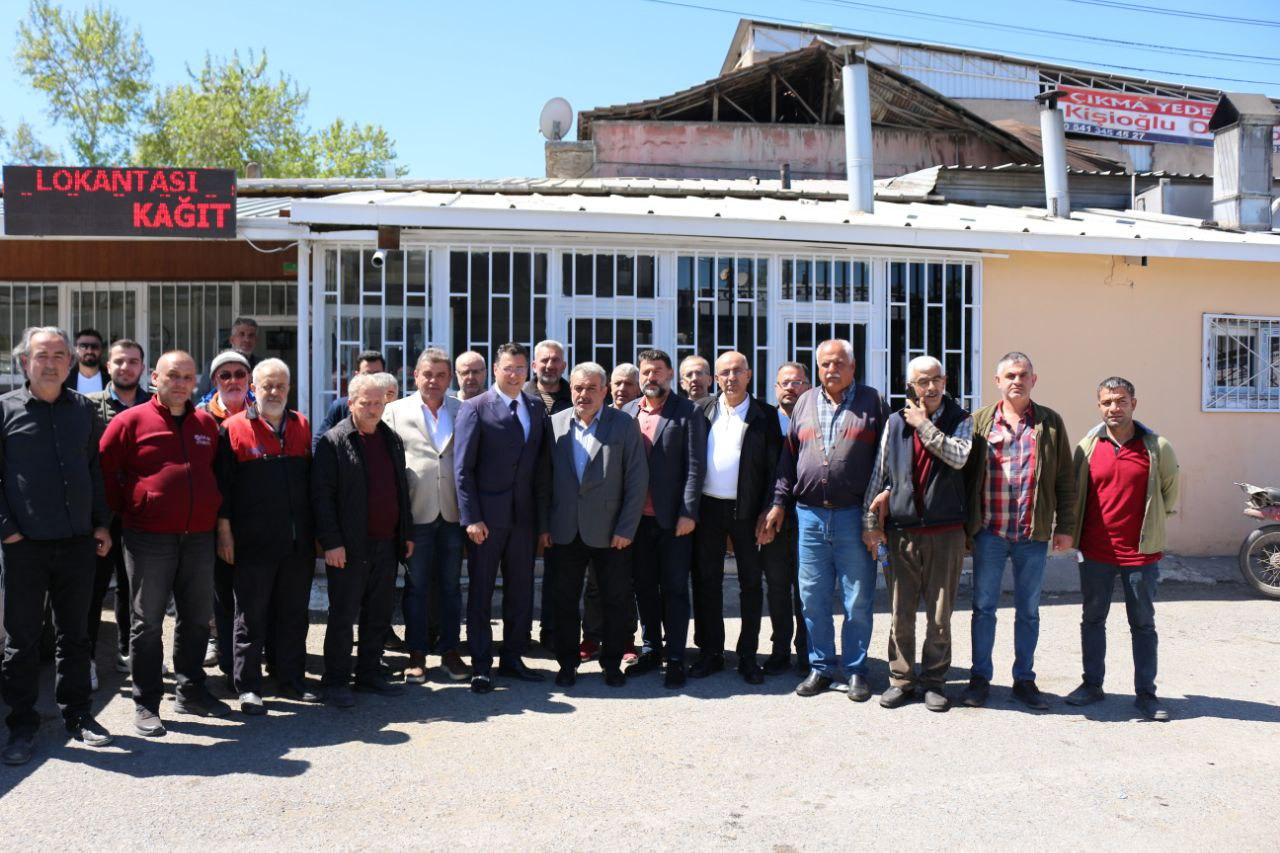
{"points": [[830, 548], [1097, 583], [990, 552], [434, 571]]}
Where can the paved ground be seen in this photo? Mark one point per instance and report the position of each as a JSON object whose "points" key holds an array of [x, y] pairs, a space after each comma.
{"points": [[719, 765]]}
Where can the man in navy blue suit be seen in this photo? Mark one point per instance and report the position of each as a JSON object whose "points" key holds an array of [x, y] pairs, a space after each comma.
{"points": [[499, 455]]}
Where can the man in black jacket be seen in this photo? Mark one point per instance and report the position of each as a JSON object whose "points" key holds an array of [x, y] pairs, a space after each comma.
{"points": [[918, 485], [743, 442], [360, 497], [675, 440], [265, 534]]}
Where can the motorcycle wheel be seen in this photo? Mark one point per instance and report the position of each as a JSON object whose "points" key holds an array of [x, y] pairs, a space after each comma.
{"points": [[1260, 560]]}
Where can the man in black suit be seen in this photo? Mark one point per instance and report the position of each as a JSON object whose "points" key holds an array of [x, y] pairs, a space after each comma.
{"points": [[743, 443], [498, 460], [675, 440]]}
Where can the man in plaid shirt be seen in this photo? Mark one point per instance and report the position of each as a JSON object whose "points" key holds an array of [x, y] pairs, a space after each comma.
{"points": [[1022, 497]]}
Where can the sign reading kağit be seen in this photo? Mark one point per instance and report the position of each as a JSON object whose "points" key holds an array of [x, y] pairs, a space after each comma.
{"points": [[94, 201], [1127, 117]]}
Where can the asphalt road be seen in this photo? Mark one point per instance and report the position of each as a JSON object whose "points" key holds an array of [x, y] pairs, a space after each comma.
{"points": [[719, 765]]}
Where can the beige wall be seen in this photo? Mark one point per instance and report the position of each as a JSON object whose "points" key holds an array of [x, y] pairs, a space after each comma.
{"points": [[1082, 318]]}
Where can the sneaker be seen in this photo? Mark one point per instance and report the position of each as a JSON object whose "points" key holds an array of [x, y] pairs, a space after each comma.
{"points": [[251, 704], [630, 656], [975, 695], [93, 676], [777, 663], [147, 722], [202, 703], [122, 664], [90, 732], [588, 650], [1028, 694], [1151, 708], [416, 671], [298, 691], [454, 666], [211, 652], [1085, 694]]}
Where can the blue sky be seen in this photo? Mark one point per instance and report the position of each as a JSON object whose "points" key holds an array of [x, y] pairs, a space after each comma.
{"points": [[459, 85]]}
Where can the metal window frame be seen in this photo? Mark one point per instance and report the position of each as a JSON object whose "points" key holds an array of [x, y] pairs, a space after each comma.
{"points": [[1263, 394]]}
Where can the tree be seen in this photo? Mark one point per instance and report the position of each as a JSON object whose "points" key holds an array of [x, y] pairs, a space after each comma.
{"points": [[26, 150], [94, 72], [344, 150]]}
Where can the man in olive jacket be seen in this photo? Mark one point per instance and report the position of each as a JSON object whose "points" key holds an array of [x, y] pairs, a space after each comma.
{"points": [[1023, 495]]}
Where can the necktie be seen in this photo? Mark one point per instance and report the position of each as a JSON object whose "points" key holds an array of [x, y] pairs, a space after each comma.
{"points": [[514, 404]]}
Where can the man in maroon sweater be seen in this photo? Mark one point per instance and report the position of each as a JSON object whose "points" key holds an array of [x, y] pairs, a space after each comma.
{"points": [[157, 469]]}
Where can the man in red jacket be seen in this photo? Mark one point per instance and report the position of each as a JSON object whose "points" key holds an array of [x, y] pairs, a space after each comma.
{"points": [[157, 468]]}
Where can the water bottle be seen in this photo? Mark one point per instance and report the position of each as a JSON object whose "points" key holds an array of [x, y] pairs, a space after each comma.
{"points": [[882, 557]]}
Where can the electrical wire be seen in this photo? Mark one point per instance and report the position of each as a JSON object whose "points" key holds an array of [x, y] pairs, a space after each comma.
{"points": [[258, 248], [1177, 13], [899, 37], [1017, 28]]}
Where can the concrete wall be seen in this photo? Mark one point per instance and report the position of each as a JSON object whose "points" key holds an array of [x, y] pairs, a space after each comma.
{"points": [[728, 149], [1084, 318]]}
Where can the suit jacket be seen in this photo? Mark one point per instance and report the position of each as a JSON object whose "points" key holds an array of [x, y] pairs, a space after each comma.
{"points": [[610, 497], [677, 461], [761, 446], [433, 491], [497, 469]]}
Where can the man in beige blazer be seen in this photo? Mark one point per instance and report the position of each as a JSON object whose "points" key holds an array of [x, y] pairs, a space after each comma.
{"points": [[432, 590]]}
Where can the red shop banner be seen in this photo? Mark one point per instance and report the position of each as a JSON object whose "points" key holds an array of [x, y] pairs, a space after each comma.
{"points": [[119, 202], [1127, 117]]}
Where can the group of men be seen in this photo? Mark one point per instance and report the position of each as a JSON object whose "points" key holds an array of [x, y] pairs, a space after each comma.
{"points": [[623, 486]]}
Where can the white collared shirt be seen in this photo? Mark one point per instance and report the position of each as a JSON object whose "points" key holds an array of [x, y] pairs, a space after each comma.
{"points": [[439, 425], [522, 411], [724, 449]]}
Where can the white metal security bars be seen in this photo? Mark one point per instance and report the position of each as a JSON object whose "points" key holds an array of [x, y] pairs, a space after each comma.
{"points": [[934, 308], [108, 307], [22, 306], [722, 305], [496, 295], [608, 305], [1241, 363], [366, 307]]}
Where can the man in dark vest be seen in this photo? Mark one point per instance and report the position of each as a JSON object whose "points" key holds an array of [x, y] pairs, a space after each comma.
{"points": [[917, 491]]}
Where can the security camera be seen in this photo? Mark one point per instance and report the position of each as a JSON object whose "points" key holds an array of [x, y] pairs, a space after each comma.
{"points": [[379, 259]]}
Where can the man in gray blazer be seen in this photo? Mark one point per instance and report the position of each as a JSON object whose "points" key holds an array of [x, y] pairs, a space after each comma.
{"points": [[432, 584], [599, 478]]}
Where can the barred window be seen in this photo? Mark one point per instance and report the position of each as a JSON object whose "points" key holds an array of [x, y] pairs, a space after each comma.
{"points": [[1241, 363]]}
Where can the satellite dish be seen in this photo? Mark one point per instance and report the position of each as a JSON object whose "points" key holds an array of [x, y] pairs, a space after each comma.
{"points": [[556, 118]]}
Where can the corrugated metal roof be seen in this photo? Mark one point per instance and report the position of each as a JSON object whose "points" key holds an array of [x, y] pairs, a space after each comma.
{"points": [[734, 187]]}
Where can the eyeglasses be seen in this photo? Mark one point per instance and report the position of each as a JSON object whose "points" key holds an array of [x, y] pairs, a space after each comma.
{"points": [[88, 345], [229, 374]]}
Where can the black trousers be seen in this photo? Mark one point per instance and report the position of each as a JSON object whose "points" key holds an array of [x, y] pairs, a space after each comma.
{"points": [[593, 610], [509, 550], [716, 522], [363, 592], [160, 565], [661, 574], [781, 559], [273, 598], [547, 608], [224, 613], [616, 601], [61, 570], [108, 567]]}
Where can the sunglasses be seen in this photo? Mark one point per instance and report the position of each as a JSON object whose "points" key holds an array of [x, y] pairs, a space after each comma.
{"points": [[227, 374], [88, 345]]}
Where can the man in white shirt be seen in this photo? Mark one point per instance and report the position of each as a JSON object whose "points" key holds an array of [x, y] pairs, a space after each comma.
{"points": [[432, 583], [743, 442], [90, 375]]}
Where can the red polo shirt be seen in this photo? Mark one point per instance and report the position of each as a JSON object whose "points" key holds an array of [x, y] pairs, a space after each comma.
{"points": [[1116, 503]]}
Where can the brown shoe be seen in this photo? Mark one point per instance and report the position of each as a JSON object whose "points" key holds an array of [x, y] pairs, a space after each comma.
{"points": [[416, 671], [454, 667]]}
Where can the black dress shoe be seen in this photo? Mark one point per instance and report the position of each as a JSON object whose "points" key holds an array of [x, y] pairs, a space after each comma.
{"points": [[777, 664], [1028, 694], [706, 665], [1085, 694], [614, 677], [751, 672], [18, 749], [859, 690], [935, 699], [975, 695], [380, 686], [813, 685], [393, 643], [481, 684], [645, 664], [518, 670], [675, 676], [202, 703], [298, 692], [340, 697], [566, 677], [896, 697]]}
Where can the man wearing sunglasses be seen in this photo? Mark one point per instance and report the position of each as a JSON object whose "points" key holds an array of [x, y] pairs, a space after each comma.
{"points": [[230, 372], [90, 374]]}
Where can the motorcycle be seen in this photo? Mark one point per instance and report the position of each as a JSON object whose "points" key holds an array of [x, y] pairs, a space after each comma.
{"points": [[1260, 551]]}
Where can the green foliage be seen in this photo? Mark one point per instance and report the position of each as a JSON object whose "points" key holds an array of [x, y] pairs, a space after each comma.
{"points": [[26, 150], [94, 72], [344, 150]]}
